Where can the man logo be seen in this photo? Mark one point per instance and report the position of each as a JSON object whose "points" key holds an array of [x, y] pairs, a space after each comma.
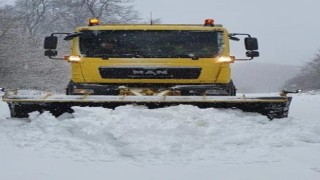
{"points": [[149, 72]]}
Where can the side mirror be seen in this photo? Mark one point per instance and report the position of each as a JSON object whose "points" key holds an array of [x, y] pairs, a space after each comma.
{"points": [[251, 43], [50, 42], [50, 53], [252, 54]]}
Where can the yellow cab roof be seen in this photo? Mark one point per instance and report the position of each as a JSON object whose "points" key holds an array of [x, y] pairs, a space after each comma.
{"points": [[199, 27]]}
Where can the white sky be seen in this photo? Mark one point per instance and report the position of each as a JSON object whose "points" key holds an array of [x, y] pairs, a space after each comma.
{"points": [[286, 29]]}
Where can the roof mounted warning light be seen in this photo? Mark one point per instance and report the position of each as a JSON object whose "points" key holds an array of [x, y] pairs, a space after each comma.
{"points": [[94, 22], [209, 22]]}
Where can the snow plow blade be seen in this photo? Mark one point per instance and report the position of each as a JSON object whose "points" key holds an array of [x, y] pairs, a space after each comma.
{"points": [[21, 105]]}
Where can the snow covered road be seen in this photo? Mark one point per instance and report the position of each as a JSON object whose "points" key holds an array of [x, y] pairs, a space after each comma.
{"points": [[182, 142]]}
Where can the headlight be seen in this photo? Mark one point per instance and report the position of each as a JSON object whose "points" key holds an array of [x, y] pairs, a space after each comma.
{"points": [[72, 58], [229, 59]]}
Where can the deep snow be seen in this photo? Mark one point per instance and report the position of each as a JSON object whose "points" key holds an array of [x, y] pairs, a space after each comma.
{"points": [[181, 142]]}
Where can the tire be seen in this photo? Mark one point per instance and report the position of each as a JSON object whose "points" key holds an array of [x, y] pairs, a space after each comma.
{"points": [[69, 88], [232, 89]]}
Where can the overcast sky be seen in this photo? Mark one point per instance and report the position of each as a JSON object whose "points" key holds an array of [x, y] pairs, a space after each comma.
{"points": [[287, 30]]}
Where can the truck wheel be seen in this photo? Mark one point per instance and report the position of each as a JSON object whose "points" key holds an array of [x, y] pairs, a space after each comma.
{"points": [[232, 89], [69, 88]]}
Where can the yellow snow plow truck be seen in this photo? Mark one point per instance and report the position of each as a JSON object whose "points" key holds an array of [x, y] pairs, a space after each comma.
{"points": [[154, 65]]}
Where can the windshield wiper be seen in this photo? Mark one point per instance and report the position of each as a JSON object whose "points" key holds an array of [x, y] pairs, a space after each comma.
{"points": [[73, 35]]}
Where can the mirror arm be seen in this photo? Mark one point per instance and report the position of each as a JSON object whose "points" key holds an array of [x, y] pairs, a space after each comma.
{"points": [[60, 33], [70, 36], [232, 36], [244, 59], [239, 34], [50, 57]]}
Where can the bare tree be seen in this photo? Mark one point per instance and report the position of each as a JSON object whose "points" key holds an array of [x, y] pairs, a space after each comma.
{"points": [[111, 11], [32, 14], [309, 75], [63, 15], [23, 25], [8, 21]]}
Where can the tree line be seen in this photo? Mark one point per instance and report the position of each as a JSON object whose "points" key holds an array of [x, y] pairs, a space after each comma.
{"points": [[24, 25], [309, 76]]}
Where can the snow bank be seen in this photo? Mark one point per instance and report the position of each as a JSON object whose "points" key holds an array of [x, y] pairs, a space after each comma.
{"points": [[177, 135], [180, 133]]}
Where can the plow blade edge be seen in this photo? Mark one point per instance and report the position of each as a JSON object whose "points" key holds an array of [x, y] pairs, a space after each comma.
{"points": [[20, 106]]}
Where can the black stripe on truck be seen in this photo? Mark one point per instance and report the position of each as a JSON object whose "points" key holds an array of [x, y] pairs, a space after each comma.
{"points": [[150, 72]]}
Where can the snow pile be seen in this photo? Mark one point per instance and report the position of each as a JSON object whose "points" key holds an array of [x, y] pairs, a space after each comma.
{"points": [[180, 135]]}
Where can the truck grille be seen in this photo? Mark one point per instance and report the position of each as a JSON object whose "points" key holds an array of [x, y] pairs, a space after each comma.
{"points": [[150, 72]]}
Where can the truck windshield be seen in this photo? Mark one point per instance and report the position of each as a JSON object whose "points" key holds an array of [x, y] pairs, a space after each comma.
{"points": [[151, 43]]}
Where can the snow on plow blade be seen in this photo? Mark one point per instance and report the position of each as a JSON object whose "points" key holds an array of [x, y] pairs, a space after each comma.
{"points": [[21, 105]]}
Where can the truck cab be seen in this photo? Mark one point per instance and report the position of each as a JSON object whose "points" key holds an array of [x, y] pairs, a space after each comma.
{"points": [[181, 59]]}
